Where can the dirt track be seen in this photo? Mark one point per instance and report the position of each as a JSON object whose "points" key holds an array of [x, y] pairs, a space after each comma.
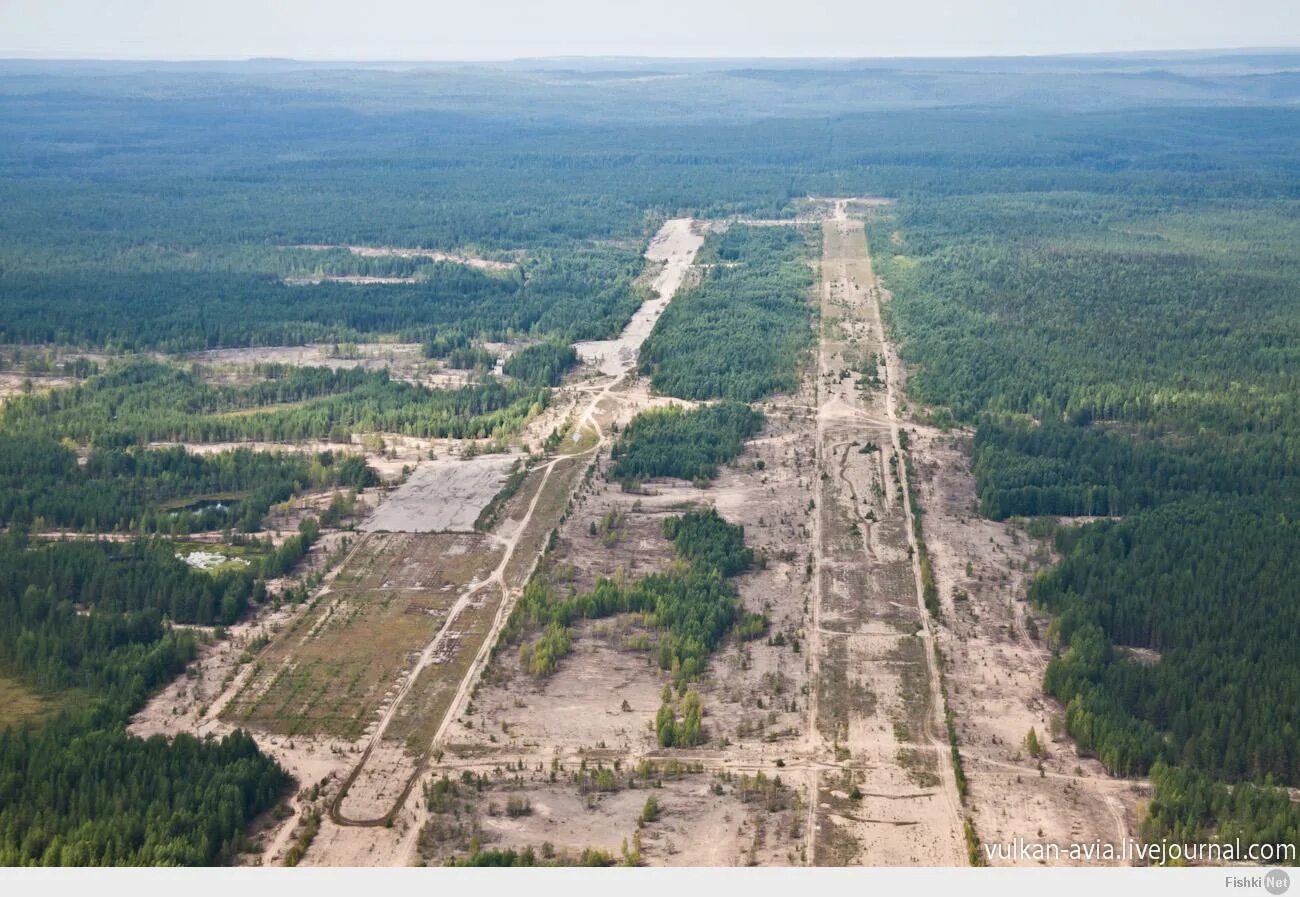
{"points": [[674, 247], [869, 618]]}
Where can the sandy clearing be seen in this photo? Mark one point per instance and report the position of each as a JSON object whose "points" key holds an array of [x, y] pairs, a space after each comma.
{"points": [[441, 496], [994, 657], [367, 355], [996, 666], [675, 246], [703, 820], [877, 706], [406, 253], [404, 361], [356, 279], [399, 453], [20, 384]]}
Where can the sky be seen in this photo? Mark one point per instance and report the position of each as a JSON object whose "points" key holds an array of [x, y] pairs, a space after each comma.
{"points": [[509, 29]]}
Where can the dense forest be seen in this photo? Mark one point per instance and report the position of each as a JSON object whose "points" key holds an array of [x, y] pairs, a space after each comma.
{"points": [[543, 364], [43, 485], [1134, 356], [72, 797], [96, 616], [740, 332], [1192, 808], [1225, 664], [688, 444], [151, 303], [89, 625]]}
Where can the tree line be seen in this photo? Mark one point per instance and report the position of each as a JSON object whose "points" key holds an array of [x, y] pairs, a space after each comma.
{"points": [[89, 626], [1134, 355], [44, 485], [144, 401]]}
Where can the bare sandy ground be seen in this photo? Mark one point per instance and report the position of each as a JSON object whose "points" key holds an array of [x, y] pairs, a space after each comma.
{"points": [[703, 820], [994, 656], [996, 659], [398, 454], [367, 355], [878, 705], [404, 361], [18, 384], [348, 278], [430, 254], [581, 706], [674, 246], [441, 496]]}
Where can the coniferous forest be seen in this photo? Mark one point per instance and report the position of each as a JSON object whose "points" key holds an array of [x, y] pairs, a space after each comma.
{"points": [[672, 442], [739, 333], [91, 623], [1132, 357]]}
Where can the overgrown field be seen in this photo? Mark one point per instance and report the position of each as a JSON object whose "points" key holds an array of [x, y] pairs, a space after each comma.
{"points": [[330, 672]]}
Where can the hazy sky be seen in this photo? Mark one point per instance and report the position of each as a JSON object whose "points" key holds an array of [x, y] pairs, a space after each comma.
{"points": [[501, 29]]}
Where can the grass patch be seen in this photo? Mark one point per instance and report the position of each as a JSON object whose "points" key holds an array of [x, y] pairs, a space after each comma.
{"points": [[19, 704]]}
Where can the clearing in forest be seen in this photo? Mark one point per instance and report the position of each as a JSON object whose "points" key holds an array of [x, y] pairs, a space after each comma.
{"points": [[433, 255], [877, 709], [441, 496], [674, 246], [19, 704], [337, 665]]}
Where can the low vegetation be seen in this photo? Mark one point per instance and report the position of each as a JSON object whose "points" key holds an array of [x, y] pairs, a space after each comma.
{"points": [[691, 603], [491, 513]]}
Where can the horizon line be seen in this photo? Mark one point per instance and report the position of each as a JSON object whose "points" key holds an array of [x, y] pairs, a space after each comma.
{"points": [[11, 55]]}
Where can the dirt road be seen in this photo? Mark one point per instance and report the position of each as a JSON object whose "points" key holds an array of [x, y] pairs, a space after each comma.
{"points": [[868, 620], [674, 246]]}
